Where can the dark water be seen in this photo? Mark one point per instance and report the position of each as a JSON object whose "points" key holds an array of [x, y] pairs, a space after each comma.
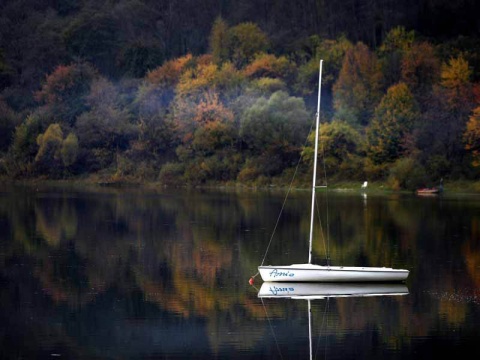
{"points": [[130, 274]]}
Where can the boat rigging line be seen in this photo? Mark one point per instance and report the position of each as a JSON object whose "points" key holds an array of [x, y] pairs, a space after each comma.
{"points": [[290, 187]]}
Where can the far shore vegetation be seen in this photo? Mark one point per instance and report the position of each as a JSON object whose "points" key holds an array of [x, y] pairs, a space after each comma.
{"points": [[402, 115]]}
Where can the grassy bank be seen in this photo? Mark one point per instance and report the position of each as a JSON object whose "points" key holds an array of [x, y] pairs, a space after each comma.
{"points": [[450, 187]]}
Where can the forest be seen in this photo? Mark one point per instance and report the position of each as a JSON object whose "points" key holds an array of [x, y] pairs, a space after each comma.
{"points": [[224, 92]]}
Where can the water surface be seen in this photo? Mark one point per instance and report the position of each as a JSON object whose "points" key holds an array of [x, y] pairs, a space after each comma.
{"points": [[104, 273]]}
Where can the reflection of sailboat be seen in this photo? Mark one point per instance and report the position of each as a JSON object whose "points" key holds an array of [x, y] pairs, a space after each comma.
{"points": [[311, 291], [315, 290], [318, 273]]}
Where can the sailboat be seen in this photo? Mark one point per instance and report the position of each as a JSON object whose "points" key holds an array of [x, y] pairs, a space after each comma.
{"points": [[309, 272]]}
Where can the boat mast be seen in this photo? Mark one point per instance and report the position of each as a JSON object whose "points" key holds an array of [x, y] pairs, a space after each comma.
{"points": [[310, 328], [315, 164]]}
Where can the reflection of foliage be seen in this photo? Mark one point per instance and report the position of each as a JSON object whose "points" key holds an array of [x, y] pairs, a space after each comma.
{"points": [[185, 255], [58, 224]]}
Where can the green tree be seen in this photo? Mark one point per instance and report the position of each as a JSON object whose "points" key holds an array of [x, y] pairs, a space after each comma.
{"points": [[406, 173], [273, 130], [229, 81], [267, 86], [106, 129], [219, 41], [69, 150], [333, 53], [394, 47], [93, 36], [358, 87], [8, 121], [390, 132], [420, 69], [471, 136], [247, 40], [24, 146], [442, 127], [440, 133], [6, 73], [341, 145], [397, 39], [136, 59]]}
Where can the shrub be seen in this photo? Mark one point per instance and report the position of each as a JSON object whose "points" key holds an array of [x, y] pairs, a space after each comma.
{"points": [[171, 174], [406, 173]]}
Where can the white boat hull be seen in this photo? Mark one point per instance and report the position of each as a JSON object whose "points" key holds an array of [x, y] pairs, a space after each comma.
{"points": [[319, 273], [309, 290]]}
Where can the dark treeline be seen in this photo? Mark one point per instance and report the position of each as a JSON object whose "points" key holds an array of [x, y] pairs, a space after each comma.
{"points": [[127, 38], [191, 92]]}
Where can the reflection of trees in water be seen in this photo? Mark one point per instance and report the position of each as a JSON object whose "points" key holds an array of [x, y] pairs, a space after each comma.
{"points": [[182, 246], [189, 253], [55, 220]]}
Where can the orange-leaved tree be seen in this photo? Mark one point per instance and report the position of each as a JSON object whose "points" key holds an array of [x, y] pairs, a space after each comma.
{"points": [[269, 65], [420, 68], [208, 138], [65, 90]]}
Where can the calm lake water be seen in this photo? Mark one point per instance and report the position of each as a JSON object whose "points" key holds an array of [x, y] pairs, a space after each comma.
{"points": [[129, 274]]}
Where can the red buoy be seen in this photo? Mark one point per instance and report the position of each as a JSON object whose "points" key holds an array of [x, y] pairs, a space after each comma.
{"points": [[251, 281]]}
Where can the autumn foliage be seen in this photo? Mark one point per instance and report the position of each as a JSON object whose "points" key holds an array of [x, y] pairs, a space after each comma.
{"points": [[399, 112]]}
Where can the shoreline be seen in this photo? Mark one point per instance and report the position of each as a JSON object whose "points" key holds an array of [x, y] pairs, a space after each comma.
{"points": [[458, 187]]}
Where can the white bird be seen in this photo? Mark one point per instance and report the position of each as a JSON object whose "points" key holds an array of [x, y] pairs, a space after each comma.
{"points": [[364, 185]]}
